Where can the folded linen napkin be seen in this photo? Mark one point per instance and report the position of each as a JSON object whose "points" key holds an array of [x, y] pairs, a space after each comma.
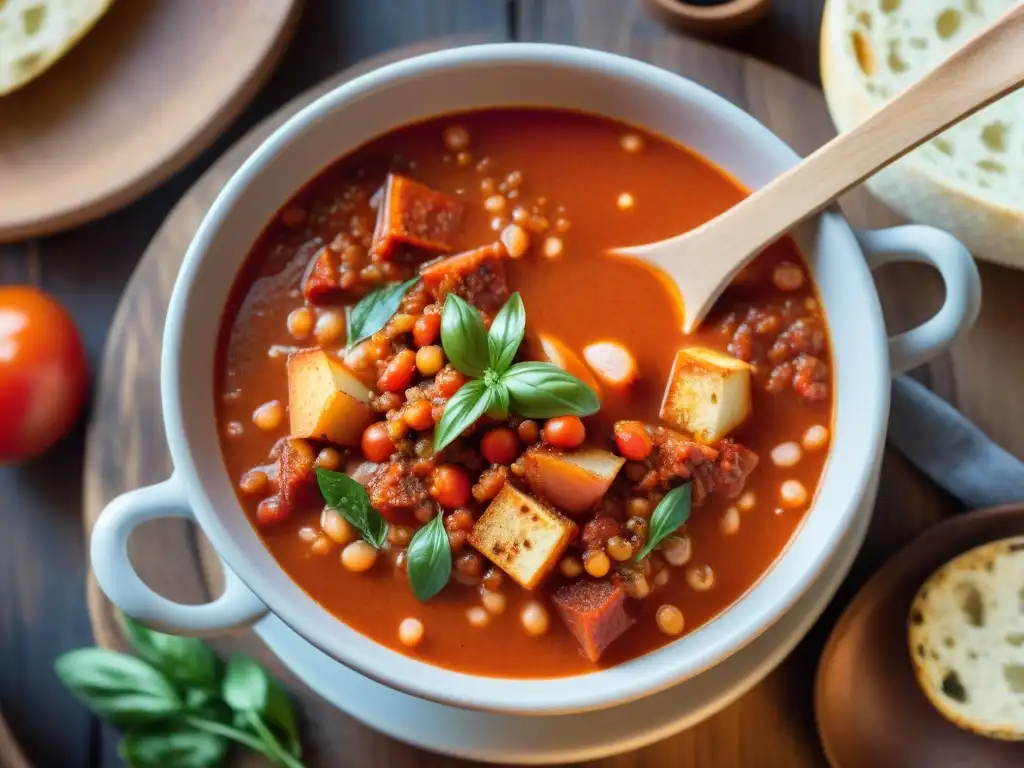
{"points": [[951, 450]]}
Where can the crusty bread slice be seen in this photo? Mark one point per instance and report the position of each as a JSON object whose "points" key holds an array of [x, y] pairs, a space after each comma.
{"points": [[35, 33], [969, 180], [966, 633]]}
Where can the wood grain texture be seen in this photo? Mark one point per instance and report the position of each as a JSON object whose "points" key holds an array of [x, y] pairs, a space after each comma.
{"points": [[773, 724], [125, 109], [10, 753]]}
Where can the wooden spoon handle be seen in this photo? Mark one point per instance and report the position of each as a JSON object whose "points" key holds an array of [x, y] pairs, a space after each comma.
{"points": [[989, 66]]}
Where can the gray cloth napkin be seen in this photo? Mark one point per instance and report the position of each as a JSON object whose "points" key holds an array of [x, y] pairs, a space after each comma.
{"points": [[951, 450]]}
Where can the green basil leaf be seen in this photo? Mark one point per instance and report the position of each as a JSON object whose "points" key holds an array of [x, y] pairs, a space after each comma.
{"points": [[429, 559], [117, 687], [187, 661], [543, 390], [464, 337], [246, 686], [273, 748], [463, 409], [498, 406], [172, 747], [373, 311], [506, 333], [280, 715], [349, 498], [672, 511]]}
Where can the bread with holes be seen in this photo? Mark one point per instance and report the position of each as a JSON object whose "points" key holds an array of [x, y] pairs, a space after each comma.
{"points": [[34, 34], [970, 179], [966, 635]]}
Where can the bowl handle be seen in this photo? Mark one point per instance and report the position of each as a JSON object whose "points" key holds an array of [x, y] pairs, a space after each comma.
{"points": [[928, 245], [117, 577]]}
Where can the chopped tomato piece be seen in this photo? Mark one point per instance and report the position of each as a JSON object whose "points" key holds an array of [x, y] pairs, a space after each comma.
{"points": [[297, 476], [416, 215], [322, 281], [595, 612], [459, 266]]}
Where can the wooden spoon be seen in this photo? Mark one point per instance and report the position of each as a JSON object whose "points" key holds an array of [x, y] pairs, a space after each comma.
{"points": [[703, 261]]}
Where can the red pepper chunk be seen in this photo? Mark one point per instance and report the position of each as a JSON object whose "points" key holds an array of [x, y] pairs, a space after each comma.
{"points": [[460, 265], [595, 612], [416, 215]]}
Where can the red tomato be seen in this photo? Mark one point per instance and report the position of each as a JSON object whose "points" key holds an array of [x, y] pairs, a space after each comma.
{"points": [[449, 486], [376, 442], [500, 446], [565, 432], [632, 440], [42, 372]]}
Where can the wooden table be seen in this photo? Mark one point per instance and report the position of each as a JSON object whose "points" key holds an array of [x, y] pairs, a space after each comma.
{"points": [[42, 551]]}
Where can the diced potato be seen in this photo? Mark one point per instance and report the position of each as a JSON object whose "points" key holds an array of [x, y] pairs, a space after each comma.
{"points": [[414, 214], [326, 400], [522, 536], [573, 481], [595, 613], [614, 365], [552, 350], [708, 393]]}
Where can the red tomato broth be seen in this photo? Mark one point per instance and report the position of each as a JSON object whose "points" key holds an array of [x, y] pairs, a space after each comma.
{"points": [[585, 295]]}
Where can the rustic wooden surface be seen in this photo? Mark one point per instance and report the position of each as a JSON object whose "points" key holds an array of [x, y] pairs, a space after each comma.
{"points": [[125, 108], [42, 564]]}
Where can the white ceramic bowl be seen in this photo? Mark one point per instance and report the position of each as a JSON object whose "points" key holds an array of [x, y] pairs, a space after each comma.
{"points": [[491, 76]]}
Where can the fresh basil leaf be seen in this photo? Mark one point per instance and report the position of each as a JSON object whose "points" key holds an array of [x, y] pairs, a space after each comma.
{"points": [[498, 406], [117, 687], [429, 559], [463, 409], [543, 390], [187, 661], [672, 511], [373, 311], [349, 498], [280, 715], [172, 747], [246, 686], [272, 748], [464, 337], [506, 333]]}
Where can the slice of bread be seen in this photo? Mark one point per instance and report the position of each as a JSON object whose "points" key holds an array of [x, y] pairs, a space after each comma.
{"points": [[35, 33], [966, 634], [969, 180]]}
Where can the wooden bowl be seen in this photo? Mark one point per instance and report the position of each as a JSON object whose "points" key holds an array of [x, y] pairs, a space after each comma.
{"points": [[710, 21]]}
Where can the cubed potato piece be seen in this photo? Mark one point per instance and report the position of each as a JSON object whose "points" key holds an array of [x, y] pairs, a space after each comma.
{"points": [[708, 393], [326, 400], [613, 364], [550, 349], [414, 214], [573, 481], [595, 612], [522, 536]]}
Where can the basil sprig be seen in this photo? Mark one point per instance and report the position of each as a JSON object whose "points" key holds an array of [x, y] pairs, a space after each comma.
{"points": [[373, 311], [179, 706], [672, 511], [534, 390], [429, 559], [349, 498]]}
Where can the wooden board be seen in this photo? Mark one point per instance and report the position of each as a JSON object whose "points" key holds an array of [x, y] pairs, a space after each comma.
{"points": [[149, 87], [772, 725]]}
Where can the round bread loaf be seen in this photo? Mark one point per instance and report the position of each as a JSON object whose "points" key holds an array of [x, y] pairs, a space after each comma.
{"points": [[36, 33], [966, 634], [970, 179]]}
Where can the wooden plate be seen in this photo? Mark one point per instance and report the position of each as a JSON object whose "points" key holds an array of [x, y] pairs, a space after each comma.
{"points": [[150, 86], [868, 705]]}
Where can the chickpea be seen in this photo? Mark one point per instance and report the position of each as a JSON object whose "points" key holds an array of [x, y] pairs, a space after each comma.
{"points": [[410, 632], [254, 482], [596, 563], [669, 619], [358, 556], [329, 458], [619, 548], [337, 528], [268, 417], [535, 619], [301, 322]]}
